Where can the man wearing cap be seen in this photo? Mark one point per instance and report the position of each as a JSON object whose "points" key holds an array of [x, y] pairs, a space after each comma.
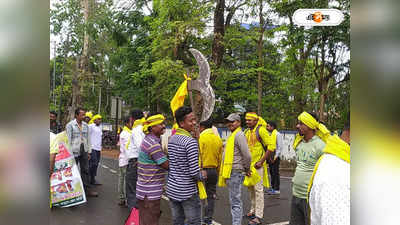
{"points": [[96, 134], [132, 153], [329, 187], [152, 168], [308, 145], [234, 166], [260, 147]]}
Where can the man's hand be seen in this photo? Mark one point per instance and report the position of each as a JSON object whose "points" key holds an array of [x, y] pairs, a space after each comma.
{"points": [[258, 165], [88, 156], [203, 174], [248, 173]]}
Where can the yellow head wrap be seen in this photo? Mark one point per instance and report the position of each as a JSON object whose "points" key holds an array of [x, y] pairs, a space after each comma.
{"points": [[251, 116], [95, 117], [311, 122], [152, 121], [89, 114]]}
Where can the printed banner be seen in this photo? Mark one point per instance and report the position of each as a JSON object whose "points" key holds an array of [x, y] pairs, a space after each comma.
{"points": [[66, 185]]}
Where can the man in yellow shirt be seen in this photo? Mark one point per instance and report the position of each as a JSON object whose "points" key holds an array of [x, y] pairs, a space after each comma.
{"points": [[211, 148], [256, 133]]}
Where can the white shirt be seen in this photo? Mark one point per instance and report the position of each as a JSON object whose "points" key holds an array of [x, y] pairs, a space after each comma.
{"points": [[279, 144], [96, 133], [123, 140], [135, 142], [330, 192]]}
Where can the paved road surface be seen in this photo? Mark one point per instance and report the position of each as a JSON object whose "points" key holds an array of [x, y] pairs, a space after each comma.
{"points": [[104, 210]]}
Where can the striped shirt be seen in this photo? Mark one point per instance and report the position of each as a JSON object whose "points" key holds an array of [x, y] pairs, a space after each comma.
{"points": [[151, 176], [184, 171]]}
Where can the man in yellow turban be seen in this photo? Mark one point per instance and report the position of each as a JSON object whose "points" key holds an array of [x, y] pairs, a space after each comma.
{"points": [[260, 147], [96, 134], [153, 165], [308, 146]]}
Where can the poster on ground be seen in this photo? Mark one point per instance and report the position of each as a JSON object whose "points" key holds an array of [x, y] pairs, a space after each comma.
{"points": [[66, 187]]}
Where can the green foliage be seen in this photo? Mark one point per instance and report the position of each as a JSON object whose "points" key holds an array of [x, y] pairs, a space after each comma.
{"points": [[142, 57]]}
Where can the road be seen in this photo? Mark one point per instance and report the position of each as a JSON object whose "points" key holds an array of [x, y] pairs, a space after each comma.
{"points": [[104, 210]]}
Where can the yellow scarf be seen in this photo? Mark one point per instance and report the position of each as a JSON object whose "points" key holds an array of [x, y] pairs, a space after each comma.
{"points": [[127, 129], [311, 122], [135, 124], [273, 138], [152, 121], [335, 146], [227, 161], [200, 184]]}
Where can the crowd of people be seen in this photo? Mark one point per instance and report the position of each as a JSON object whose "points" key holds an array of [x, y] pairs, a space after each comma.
{"points": [[196, 161]]}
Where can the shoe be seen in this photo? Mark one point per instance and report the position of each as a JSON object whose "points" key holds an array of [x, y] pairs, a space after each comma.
{"points": [[122, 203], [270, 191], [250, 216], [92, 194], [274, 192], [252, 222]]}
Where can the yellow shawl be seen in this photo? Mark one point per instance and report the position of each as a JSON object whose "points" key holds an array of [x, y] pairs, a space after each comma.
{"points": [[311, 122], [200, 184], [335, 146], [227, 161]]}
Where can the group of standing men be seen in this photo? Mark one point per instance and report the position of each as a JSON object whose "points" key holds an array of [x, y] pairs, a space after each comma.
{"points": [[193, 157], [84, 135]]}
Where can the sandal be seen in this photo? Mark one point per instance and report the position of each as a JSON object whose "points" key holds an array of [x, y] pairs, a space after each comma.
{"points": [[252, 222], [250, 216]]}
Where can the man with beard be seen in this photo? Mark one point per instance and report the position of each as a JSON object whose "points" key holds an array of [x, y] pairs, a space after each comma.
{"points": [[152, 168], [308, 145]]}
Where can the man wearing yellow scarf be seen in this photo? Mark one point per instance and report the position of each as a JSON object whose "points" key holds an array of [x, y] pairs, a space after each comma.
{"points": [[254, 134], [329, 187], [152, 169], [123, 159], [234, 166], [308, 150], [184, 171]]}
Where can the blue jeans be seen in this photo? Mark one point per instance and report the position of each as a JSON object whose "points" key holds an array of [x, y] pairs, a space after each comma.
{"points": [[235, 184], [93, 164], [189, 209]]}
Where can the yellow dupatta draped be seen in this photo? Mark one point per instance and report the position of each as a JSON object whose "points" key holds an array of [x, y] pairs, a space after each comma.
{"points": [[335, 146], [311, 122], [135, 124], [227, 160], [200, 184]]}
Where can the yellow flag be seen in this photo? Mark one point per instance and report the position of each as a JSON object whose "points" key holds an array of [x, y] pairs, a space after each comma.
{"points": [[179, 98]]}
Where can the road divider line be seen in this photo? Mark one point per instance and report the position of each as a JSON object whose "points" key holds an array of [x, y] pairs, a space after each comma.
{"points": [[281, 223], [104, 166], [113, 171]]}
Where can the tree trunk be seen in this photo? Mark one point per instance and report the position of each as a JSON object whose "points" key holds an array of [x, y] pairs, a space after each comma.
{"points": [[219, 32], [76, 90], [260, 58]]}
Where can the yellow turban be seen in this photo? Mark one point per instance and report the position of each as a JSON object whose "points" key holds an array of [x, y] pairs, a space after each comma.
{"points": [[89, 114], [311, 122], [95, 117], [152, 121], [254, 116]]}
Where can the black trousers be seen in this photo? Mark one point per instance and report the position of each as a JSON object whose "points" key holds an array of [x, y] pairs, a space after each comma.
{"points": [[83, 162], [274, 171], [130, 183]]}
